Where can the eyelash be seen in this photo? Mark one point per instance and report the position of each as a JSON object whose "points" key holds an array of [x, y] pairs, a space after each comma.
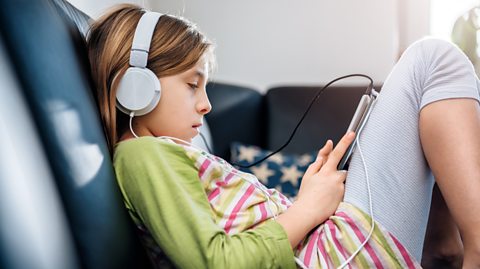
{"points": [[193, 86]]}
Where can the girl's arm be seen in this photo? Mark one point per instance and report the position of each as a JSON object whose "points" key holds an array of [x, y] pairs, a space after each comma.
{"points": [[161, 187]]}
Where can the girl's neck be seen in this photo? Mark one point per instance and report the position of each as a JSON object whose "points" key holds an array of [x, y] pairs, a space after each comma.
{"points": [[126, 136]]}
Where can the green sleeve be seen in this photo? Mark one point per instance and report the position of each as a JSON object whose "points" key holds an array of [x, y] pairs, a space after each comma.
{"points": [[161, 185]]}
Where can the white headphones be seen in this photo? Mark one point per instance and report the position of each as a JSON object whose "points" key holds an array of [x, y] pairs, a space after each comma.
{"points": [[139, 89]]}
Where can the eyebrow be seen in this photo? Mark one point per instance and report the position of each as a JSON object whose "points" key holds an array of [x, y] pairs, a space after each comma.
{"points": [[199, 73], [196, 73]]}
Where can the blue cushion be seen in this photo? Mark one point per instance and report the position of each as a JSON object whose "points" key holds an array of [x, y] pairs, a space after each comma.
{"points": [[281, 171]]}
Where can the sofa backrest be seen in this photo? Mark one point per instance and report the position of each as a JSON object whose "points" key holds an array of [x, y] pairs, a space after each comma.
{"points": [[48, 57], [33, 226], [243, 114], [328, 118], [238, 114]]}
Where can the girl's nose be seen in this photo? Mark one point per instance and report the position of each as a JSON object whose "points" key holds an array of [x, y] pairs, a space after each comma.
{"points": [[203, 105]]}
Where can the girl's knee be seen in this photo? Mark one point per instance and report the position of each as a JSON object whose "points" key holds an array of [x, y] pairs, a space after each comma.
{"points": [[434, 50], [433, 43], [445, 71], [430, 48]]}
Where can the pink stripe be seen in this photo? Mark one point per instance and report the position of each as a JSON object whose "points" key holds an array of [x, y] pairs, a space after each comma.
{"points": [[221, 183], [322, 250], [404, 252], [263, 210], [237, 207], [308, 253], [228, 177], [204, 167], [360, 236], [331, 226], [213, 194]]}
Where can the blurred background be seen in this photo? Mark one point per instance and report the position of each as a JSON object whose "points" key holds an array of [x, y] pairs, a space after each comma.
{"points": [[279, 42]]}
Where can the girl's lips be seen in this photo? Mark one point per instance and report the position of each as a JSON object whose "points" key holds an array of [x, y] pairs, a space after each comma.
{"points": [[196, 129], [196, 125]]}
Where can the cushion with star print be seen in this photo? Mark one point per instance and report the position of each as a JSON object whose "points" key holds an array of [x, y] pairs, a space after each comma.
{"points": [[281, 171]]}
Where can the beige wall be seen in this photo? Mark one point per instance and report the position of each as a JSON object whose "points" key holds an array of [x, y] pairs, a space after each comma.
{"points": [[413, 21], [277, 42], [272, 42]]}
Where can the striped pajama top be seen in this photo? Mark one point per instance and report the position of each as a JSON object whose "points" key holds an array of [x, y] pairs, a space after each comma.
{"points": [[239, 202]]}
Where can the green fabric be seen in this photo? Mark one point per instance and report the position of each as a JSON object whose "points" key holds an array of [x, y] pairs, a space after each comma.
{"points": [[162, 191]]}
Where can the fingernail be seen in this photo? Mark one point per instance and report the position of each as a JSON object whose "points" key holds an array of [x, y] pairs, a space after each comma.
{"points": [[350, 134]]}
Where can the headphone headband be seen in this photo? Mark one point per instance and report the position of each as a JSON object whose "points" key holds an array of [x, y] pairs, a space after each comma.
{"points": [[143, 38], [139, 89]]}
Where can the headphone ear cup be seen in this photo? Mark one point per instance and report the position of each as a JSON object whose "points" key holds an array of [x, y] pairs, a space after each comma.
{"points": [[139, 91]]}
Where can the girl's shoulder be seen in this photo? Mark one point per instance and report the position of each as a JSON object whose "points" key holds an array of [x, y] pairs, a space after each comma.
{"points": [[143, 152], [145, 140], [145, 143], [148, 148]]}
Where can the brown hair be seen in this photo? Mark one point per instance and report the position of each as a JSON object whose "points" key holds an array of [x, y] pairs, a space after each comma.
{"points": [[176, 46]]}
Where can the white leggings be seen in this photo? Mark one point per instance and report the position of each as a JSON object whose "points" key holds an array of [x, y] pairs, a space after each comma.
{"points": [[400, 178]]}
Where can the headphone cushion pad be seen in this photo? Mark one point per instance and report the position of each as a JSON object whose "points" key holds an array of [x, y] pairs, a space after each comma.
{"points": [[138, 91]]}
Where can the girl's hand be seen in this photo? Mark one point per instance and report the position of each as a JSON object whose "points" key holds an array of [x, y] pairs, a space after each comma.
{"points": [[323, 187]]}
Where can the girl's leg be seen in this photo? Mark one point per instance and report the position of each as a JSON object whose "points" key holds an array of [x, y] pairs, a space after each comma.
{"points": [[400, 177]]}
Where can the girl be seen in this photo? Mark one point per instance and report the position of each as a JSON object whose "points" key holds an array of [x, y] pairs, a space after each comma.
{"points": [[196, 211]]}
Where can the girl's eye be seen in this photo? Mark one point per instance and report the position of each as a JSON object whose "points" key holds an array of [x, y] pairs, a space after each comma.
{"points": [[193, 86]]}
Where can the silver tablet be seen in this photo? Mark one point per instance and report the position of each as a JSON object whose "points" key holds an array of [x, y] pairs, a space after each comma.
{"points": [[358, 122]]}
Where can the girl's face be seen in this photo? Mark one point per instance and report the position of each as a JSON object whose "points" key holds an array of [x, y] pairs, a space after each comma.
{"points": [[183, 103]]}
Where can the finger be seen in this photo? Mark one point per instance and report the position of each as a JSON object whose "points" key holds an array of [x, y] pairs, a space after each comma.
{"points": [[314, 167], [337, 153], [323, 152], [321, 156], [327, 148]]}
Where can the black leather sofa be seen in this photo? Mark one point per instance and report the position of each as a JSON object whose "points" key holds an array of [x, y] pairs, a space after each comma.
{"points": [[60, 206], [267, 120], [59, 203]]}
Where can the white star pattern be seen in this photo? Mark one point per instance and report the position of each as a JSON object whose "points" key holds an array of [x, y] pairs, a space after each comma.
{"points": [[290, 174], [277, 158], [247, 153], [304, 159], [262, 172]]}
